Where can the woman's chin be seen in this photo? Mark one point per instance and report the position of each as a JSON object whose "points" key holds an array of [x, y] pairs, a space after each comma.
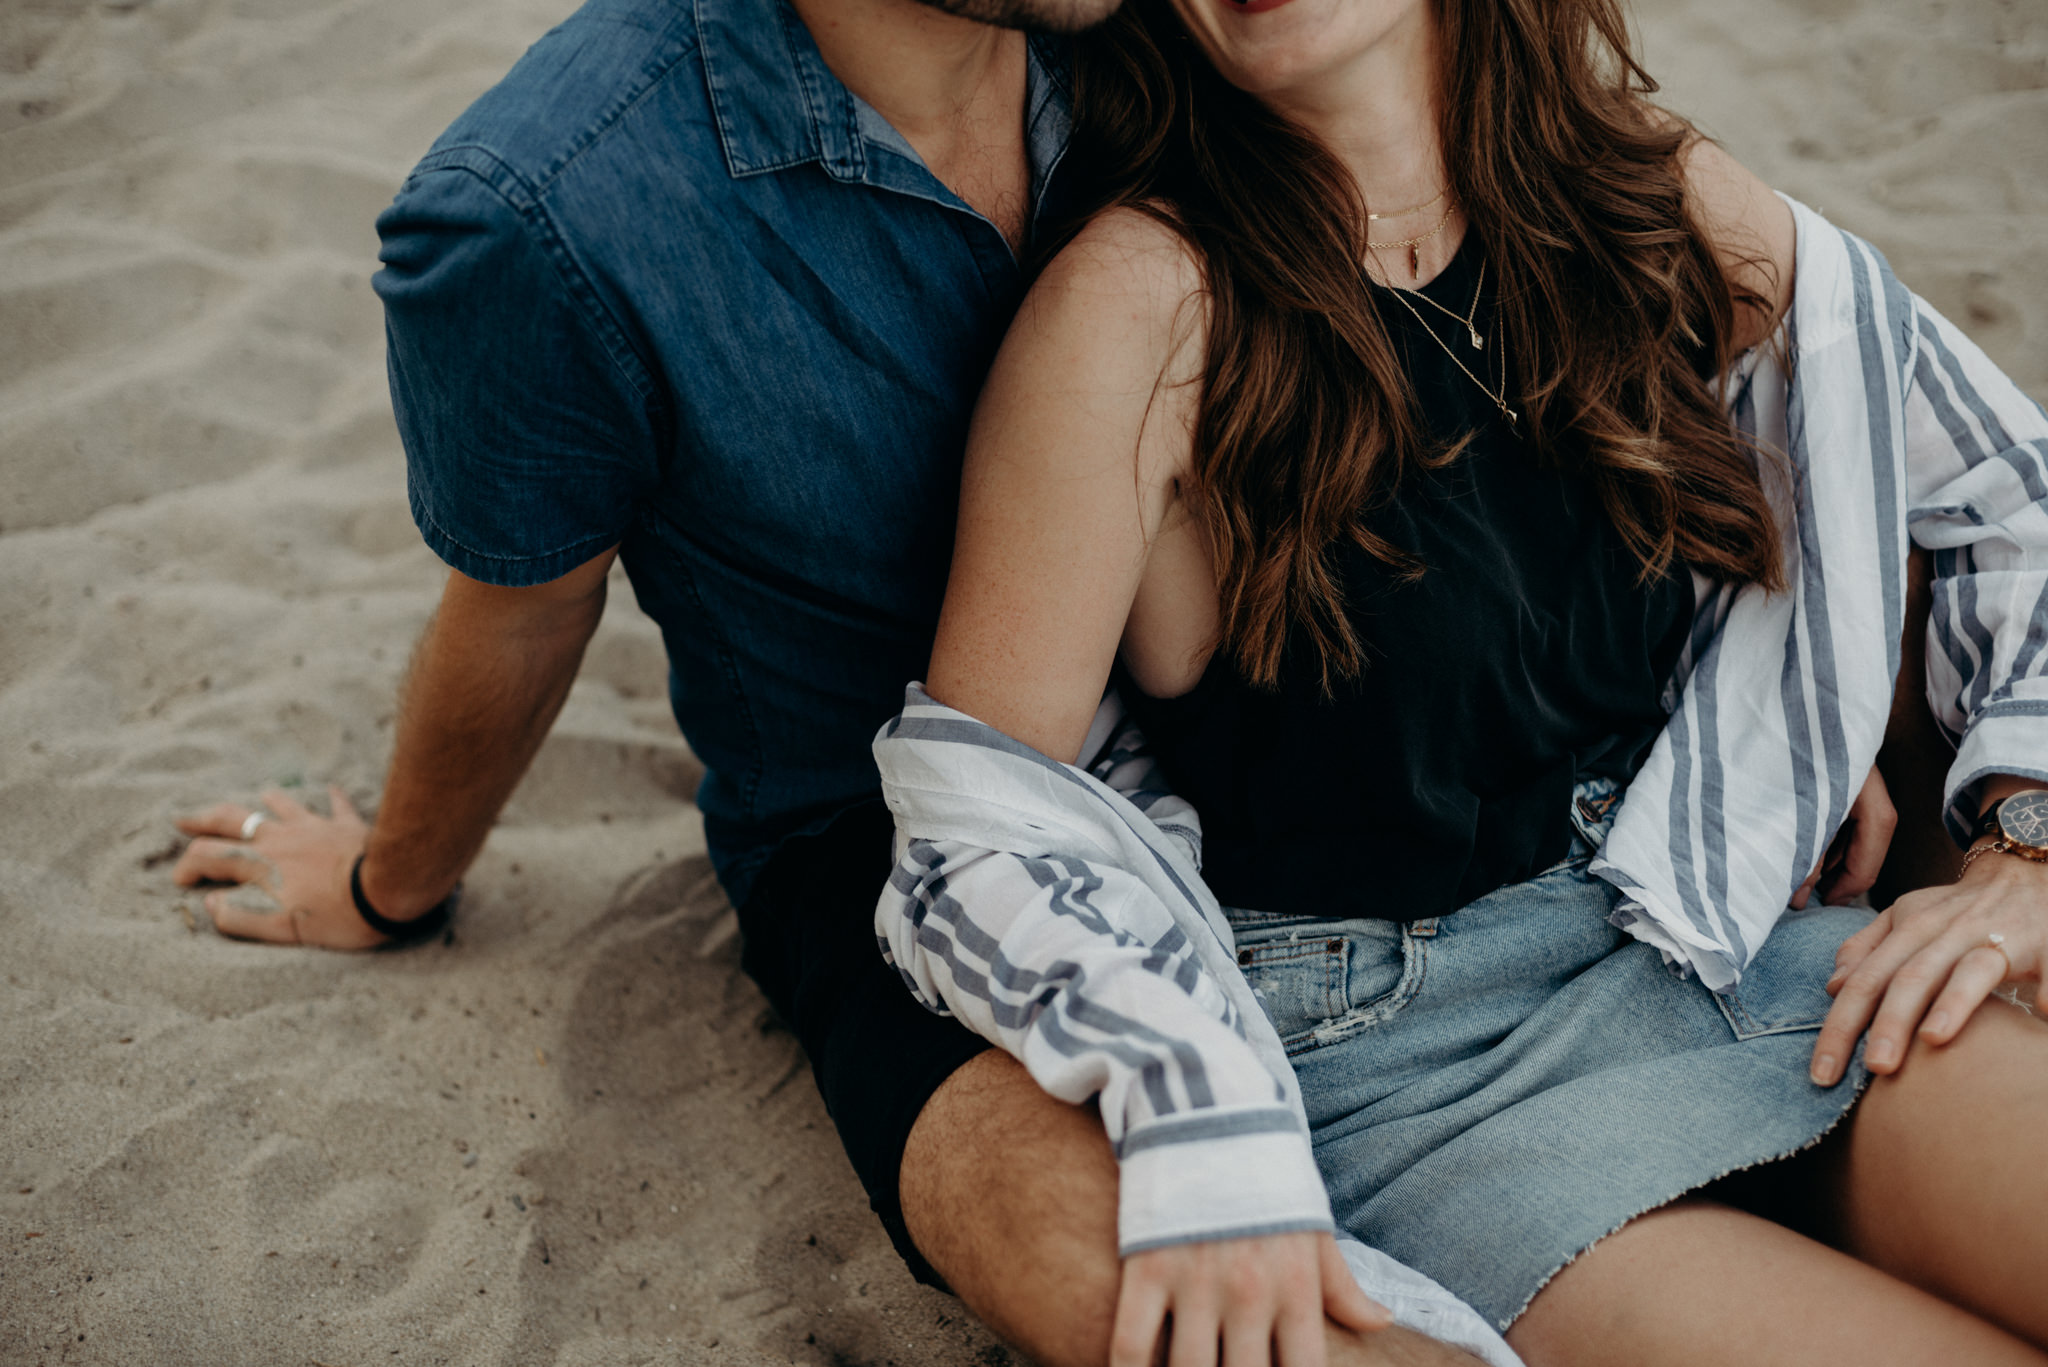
{"points": [[1266, 46]]}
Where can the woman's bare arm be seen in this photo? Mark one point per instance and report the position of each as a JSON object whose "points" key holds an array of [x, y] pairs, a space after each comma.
{"points": [[1069, 495], [1073, 463]]}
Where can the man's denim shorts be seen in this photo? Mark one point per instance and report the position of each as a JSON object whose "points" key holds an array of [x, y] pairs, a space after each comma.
{"points": [[1494, 1091]]}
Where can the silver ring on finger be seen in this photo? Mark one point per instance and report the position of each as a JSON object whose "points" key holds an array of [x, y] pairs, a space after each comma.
{"points": [[251, 822], [1996, 941]]}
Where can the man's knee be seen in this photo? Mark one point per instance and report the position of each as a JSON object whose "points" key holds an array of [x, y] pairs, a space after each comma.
{"points": [[1010, 1194], [1396, 1347]]}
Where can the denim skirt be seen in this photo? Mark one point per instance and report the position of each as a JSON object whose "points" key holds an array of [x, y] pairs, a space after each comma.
{"points": [[1492, 1092]]}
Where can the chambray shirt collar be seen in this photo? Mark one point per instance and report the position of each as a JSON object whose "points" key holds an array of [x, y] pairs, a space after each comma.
{"points": [[778, 105]]}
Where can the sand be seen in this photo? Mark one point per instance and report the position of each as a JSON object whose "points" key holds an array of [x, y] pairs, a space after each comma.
{"points": [[575, 1135]]}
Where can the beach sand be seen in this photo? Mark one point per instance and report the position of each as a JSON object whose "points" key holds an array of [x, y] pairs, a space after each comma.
{"points": [[574, 1135]]}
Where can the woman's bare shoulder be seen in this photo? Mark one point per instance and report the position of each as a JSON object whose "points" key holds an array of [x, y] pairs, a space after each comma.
{"points": [[1115, 324], [1751, 229], [1127, 284], [1129, 250]]}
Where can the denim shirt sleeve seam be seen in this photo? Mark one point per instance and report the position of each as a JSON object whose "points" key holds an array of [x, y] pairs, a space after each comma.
{"points": [[551, 564], [651, 76], [517, 195]]}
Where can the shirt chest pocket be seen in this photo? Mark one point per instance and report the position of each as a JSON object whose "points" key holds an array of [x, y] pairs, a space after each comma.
{"points": [[1324, 981]]}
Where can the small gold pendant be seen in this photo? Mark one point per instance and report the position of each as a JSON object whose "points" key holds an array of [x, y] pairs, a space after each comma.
{"points": [[1415, 261], [1478, 342]]}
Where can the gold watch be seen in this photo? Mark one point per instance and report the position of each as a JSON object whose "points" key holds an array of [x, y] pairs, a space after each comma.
{"points": [[2020, 825]]}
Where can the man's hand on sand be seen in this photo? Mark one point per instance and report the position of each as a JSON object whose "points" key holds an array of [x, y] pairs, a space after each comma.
{"points": [[298, 857]]}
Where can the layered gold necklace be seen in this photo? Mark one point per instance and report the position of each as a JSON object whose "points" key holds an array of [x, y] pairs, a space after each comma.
{"points": [[1413, 244], [1470, 322], [1411, 209]]}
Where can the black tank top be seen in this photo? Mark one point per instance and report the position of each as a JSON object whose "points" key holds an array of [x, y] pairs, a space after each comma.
{"points": [[1525, 657]]}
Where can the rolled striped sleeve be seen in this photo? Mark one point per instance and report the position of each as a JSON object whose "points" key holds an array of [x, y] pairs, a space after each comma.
{"points": [[1977, 466], [1887, 424], [1056, 945]]}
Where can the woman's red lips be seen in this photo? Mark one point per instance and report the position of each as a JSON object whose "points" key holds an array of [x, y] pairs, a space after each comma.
{"points": [[1252, 6]]}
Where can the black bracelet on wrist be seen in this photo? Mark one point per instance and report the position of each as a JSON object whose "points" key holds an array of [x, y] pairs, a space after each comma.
{"points": [[425, 926]]}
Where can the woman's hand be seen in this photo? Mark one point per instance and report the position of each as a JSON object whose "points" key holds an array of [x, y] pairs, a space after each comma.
{"points": [[1854, 860], [300, 858], [1238, 1302], [1929, 960]]}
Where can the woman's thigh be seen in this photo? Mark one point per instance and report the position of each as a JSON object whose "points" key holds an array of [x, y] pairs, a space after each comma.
{"points": [[1700, 1283], [1941, 1175]]}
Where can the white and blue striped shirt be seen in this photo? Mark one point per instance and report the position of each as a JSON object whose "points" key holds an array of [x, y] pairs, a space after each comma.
{"points": [[1893, 424]]}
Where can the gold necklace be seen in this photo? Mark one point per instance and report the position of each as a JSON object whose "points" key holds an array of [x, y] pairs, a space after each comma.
{"points": [[1499, 399], [1411, 243], [1470, 320], [1411, 209]]}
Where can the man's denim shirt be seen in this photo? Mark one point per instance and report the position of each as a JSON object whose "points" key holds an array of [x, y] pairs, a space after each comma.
{"points": [[670, 285]]}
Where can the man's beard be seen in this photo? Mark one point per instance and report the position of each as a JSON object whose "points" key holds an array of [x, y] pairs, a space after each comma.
{"points": [[1033, 16]]}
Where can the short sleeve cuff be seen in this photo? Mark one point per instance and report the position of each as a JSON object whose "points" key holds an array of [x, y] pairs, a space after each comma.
{"points": [[530, 438], [512, 572]]}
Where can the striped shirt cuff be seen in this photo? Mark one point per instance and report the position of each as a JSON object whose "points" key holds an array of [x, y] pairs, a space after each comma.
{"points": [[1218, 1175], [2007, 737]]}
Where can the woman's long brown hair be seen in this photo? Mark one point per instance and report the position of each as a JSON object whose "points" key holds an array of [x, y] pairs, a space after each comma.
{"points": [[1618, 315]]}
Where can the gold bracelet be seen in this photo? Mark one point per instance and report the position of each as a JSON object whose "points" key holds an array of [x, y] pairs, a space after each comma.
{"points": [[1998, 846]]}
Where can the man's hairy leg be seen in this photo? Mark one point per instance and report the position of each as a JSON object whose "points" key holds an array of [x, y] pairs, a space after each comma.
{"points": [[1011, 1195]]}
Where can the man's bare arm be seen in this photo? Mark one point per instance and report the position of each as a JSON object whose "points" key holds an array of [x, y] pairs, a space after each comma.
{"points": [[488, 677]]}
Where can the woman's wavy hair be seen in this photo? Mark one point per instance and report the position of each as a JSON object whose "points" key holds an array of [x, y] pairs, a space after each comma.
{"points": [[1618, 317]]}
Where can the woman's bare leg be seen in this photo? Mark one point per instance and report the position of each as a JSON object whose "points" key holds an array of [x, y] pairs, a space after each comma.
{"points": [[1940, 1177], [1701, 1283]]}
